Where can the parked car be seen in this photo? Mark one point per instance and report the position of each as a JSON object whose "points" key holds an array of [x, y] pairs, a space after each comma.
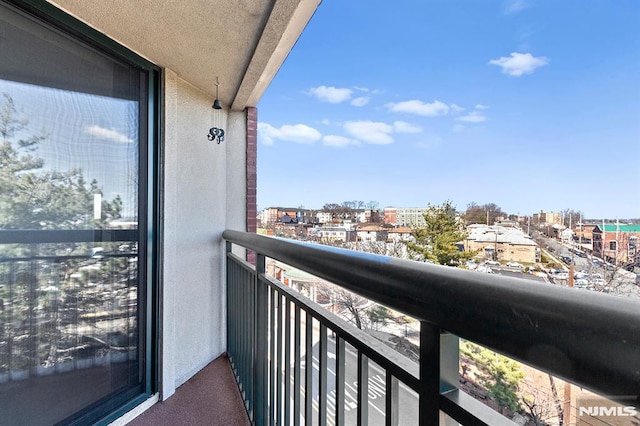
{"points": [[581, 283], [515, 265], [581, 275], [566, 259], [485, 269], [492, 262]]}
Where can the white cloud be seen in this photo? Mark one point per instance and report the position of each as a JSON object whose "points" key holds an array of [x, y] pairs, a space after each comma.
{"points": [[326, 121], [331, 94], [338, 141], [519, 63], [514, 6], [298, 133], [418, 107], [404, 127], [110, 134], [458, 128], [456, 108], [480, 106], [372, 132], [473, 117], [361, 101]]}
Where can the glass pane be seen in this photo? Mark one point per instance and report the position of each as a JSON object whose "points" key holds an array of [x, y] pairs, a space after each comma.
{"points": [[69, 255]]}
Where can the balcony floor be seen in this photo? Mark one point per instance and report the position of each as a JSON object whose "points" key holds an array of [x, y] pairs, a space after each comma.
{"points": [[211, 397]]}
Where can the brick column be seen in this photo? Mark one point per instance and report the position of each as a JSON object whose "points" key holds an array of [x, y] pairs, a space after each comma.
{"points": [[252, 174]]}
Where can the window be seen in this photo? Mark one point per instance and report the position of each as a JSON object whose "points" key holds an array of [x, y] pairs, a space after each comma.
{"points": [[613, 245], [74, 172]]}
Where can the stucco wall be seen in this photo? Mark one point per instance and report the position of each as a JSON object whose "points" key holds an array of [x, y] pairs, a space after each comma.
{"points": [[203, 195]]}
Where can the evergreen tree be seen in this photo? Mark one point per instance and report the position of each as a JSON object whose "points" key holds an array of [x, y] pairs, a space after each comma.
{"points": [[437, 240]]}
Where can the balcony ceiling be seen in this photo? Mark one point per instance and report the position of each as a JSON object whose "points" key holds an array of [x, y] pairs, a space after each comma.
{"points": [[243, 42]]}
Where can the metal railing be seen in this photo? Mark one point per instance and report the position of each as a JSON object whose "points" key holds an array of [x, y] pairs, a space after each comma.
{"points": [[65, 303], [589, 339]]}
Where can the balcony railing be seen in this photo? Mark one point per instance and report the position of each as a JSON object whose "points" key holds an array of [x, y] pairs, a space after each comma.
{"points": [[68, 300], [589, 339]]}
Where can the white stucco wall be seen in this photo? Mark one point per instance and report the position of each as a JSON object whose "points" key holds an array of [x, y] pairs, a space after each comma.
{"points": [[204, 193]]}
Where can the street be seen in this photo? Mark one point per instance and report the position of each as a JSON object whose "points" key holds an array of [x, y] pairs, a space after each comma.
{"points": [[408, 400]]}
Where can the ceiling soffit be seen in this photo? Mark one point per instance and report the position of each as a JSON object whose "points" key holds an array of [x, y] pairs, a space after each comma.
{"points": [[242, 42]]}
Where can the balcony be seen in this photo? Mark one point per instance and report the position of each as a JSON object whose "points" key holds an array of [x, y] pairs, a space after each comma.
{"points": [[274, 332]]}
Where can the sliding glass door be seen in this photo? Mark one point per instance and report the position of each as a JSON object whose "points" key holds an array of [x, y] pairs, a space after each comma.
{"points": [[74, 219]]}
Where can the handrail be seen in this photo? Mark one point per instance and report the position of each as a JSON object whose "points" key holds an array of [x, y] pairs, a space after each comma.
{"points": [[39, 236], [590, 339]]}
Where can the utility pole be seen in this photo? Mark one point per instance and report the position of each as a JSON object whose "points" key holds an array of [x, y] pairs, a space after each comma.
{"points": [[566, 412], [617, 240], [580, 236]]}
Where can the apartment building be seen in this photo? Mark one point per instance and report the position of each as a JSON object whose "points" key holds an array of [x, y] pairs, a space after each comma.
{"points": [[547, 218], [412, 217], [617, 243]]}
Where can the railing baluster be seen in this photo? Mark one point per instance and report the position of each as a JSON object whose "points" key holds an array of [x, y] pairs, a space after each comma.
{"points": [[297, 386], [392, 400], [429, 404], [322, 383], [260, 359], [308, 370], [340, 380], [279, 342], [287, 362], [363, 389], [251, 313], [272, 355]]}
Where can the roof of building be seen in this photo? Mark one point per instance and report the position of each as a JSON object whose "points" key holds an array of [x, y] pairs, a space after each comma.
{"points": [[371, 228], [499, 234], [620, 228], [401, 230]]}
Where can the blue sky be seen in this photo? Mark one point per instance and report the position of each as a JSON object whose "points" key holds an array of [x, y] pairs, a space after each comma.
{"points": [[529, 105]]}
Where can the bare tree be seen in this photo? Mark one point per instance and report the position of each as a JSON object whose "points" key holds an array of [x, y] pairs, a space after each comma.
{"points": [[346, 301]]}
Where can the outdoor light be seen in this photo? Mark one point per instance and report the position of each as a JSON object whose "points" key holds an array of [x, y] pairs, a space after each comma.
{"points": [[216, 133]]}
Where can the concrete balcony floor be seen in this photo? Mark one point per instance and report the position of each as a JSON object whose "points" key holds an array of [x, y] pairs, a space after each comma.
{"points": [[211, 397]]}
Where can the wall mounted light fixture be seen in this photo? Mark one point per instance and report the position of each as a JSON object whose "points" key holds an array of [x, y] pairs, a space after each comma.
{"points": [[216, 133]]}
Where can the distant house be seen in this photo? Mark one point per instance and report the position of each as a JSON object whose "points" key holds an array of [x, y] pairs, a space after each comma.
{"points": [[501, 243], [335, 234], [584, 232], [324, 217], [371, 233], [272, 215], [402, 233], [566, 235]]}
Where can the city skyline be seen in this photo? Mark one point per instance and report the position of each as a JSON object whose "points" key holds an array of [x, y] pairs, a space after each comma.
{"points": [[526, 105]]}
